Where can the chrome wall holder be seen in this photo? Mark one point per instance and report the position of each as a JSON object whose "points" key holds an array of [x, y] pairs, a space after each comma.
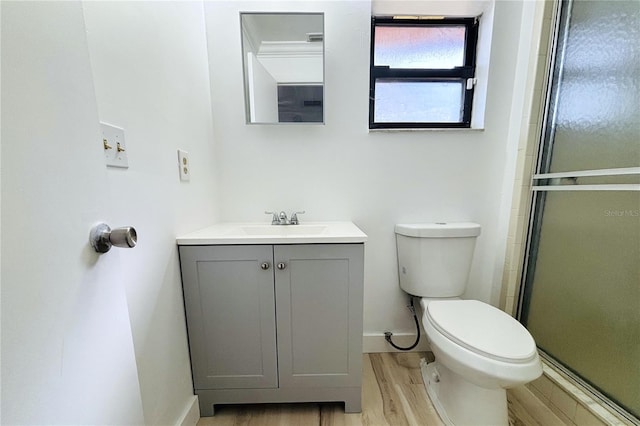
{"points": [[102, 237]]}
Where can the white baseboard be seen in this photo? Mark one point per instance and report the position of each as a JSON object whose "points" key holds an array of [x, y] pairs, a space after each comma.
{"points": [[191, 413], [372, 343]]}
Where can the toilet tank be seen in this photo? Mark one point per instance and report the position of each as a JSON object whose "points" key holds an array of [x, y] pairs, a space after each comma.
{"points": [[434, 259]]}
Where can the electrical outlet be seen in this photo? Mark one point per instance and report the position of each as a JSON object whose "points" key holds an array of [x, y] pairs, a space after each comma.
{"points": [[115, 152], [185, 165]]}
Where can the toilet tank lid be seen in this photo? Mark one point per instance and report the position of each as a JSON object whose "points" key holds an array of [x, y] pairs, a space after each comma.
{"points": [[439, 230]]}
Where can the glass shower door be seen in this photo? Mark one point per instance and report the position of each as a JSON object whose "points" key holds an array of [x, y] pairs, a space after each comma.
{"points": [[581, 298]]}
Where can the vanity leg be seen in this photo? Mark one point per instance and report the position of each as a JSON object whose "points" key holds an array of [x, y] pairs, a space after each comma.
{"points": [[206, 406], [353, 404]]}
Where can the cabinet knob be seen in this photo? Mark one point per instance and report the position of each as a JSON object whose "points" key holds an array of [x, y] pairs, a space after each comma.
{"points": [[265, 266], [282, 265]]}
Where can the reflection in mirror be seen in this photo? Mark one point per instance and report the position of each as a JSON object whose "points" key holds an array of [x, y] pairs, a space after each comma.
{"points": [[283, 58]]}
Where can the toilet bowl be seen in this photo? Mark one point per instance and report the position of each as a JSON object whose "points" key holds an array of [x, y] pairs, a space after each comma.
{"points": [[479, 350], [487, 346]]}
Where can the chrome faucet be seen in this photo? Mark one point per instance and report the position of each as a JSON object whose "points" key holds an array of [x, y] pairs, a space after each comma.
{"points": [[294, 217], [281, 218]]}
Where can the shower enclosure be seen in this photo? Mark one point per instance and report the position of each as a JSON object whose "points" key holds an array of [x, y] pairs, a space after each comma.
{"points": [[581, 294]]}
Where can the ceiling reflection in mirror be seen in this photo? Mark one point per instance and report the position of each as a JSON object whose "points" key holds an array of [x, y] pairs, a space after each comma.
{"points": [[283, 61]]}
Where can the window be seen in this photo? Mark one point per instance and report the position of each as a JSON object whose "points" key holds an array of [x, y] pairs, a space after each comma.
{"points": [[422, 72]]}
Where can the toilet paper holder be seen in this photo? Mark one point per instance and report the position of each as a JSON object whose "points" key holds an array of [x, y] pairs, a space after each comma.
{"points": [[102, 237]]}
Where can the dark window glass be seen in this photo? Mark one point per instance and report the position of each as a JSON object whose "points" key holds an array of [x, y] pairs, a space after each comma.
{"points": [[299, 103]]}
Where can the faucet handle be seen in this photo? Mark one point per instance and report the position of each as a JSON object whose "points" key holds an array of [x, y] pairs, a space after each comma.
{"points": [[294, 217], [274, 217]]}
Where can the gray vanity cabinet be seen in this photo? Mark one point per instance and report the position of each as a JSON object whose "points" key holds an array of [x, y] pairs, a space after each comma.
{"points": [[274, 323], [319, 315], [229, 303]]}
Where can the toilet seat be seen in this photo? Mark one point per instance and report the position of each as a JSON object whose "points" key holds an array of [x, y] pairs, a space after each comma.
{"points": [[482, 329]]}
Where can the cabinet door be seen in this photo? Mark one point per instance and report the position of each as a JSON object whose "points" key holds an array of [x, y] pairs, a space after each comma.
{"points": [[319, 314], [229, 301]]}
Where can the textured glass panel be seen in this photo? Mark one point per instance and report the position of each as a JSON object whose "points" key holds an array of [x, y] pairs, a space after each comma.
{"points": [[584, 287], [597, 114], [420, 47], [418, 102], [585, 300]]}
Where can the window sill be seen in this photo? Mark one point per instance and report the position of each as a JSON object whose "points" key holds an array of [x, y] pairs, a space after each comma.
{"points": [[434, 129]]}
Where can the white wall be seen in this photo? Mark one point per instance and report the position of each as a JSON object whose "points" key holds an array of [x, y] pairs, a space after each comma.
{"points": [[294, 68], [149, 63], [340, 171], [87, 338]]}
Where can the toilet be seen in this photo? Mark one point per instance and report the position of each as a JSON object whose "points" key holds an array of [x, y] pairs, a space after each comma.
{"points": [[480, 351]]}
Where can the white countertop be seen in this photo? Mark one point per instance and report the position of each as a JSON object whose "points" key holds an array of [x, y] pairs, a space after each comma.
{"points": [[264, 233]]}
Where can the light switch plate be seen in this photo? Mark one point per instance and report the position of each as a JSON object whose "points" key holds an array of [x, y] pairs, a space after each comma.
{"points": [[185, 165], [115, 152]]}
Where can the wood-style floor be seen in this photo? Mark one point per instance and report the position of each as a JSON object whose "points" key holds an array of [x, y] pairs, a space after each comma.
{"points": [[393, 394]]}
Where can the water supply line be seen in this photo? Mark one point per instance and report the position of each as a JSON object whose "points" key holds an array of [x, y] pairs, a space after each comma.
{"points": [[388, 334]]}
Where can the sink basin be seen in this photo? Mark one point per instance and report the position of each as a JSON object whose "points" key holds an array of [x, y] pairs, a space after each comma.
{"points": [[282, 229], [261, 233]]}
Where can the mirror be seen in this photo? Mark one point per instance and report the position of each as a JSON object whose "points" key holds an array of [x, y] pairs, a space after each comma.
{"points": [[283, 61]]}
